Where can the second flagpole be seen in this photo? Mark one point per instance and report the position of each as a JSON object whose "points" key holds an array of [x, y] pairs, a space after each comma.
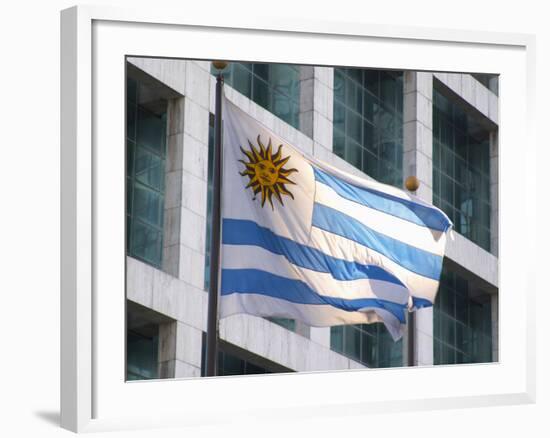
{"points": [[215, 236]]}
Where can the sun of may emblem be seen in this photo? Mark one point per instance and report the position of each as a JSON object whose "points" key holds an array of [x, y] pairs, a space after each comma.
{"points": [[266, 172]]}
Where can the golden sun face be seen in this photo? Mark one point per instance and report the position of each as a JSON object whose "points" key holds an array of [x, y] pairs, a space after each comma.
{"points": [[266, 172]]}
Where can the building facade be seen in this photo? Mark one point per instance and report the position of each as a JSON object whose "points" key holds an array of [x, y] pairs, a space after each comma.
{"points": [[387, 125]]}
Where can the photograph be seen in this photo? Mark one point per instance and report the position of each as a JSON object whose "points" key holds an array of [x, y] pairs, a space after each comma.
{"points": [[306, 218]]}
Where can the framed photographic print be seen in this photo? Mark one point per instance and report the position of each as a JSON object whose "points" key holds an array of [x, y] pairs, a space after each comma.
{"points": [[304, 207]]}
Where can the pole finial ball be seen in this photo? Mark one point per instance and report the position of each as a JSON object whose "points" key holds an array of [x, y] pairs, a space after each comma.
{"points": [[219, 65], [412, 183]]}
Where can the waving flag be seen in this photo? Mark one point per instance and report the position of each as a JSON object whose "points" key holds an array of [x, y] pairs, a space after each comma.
{"points": [[303, 240]]}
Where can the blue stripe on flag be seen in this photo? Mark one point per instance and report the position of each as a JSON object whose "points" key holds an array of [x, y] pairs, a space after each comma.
{"points": [[414, 259], [246, 232], [255, 281], [419, 303], [402, 208]]}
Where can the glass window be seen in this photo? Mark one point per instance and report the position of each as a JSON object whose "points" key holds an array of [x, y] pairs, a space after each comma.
{"points": [[368, 121], [462, 323], [145, 172], [461, 178], [275, 87], [289, 324], [368, 133], [231, 364], [142, 353], [369, 344]]}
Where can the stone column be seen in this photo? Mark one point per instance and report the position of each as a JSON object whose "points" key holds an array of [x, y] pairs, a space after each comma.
{"points": [[306, 100], [417, 161], [180, 349], [191, 174], [188, 354], [316, 118], [172, 210], [167, 350]]}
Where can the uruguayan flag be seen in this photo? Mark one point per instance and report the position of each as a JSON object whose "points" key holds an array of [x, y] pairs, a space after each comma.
{"points": [[303, 240]]}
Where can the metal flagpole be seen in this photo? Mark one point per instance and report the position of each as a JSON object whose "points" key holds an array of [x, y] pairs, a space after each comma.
{"points": [[411, 183], [212, 324], [410, 339]]}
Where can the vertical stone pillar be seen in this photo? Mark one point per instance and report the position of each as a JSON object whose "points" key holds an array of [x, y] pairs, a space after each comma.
{"points": [[316, 117], [323, 112], [306, 100], [316, 107], [180, 350], [417, 161], [167, 350], [417, 130], [188, 351], [195, 173], [172, 209]]}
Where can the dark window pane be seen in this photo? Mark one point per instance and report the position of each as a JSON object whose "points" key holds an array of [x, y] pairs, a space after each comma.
{"points": [[130, 147], [131, 121], [388, 90], [145, 172], [261, 94], [241, 80], [352, 342], [147, 205], [461, 152], [142, 353], [354, 96], [339, 116], [285, 80], [339, 85], [369, 105], [354, 126], [337, 338], [275, 87], [370, 164], [369, 136], [388, 151], [355, 74], [289, 324], [462, 326], [151, 131], [146, 242], [149, 169], [339, 143], [262, 71], [353, 153], [364, 117], [372, 81], [131, 90]]}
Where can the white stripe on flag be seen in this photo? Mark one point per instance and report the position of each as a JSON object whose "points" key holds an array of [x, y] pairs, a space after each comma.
{"points": [[412, 234], [342, 248], [253, 257], [311, 314]]}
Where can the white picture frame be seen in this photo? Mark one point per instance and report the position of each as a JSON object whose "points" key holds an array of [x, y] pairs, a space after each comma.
{"points": [[94, 396]]}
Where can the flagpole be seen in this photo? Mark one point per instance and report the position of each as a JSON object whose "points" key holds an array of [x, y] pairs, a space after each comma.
{"points": [[213, 293], [411, 183]]}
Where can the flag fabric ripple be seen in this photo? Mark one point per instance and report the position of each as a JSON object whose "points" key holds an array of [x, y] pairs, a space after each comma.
{"points": [[304, 240]]}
